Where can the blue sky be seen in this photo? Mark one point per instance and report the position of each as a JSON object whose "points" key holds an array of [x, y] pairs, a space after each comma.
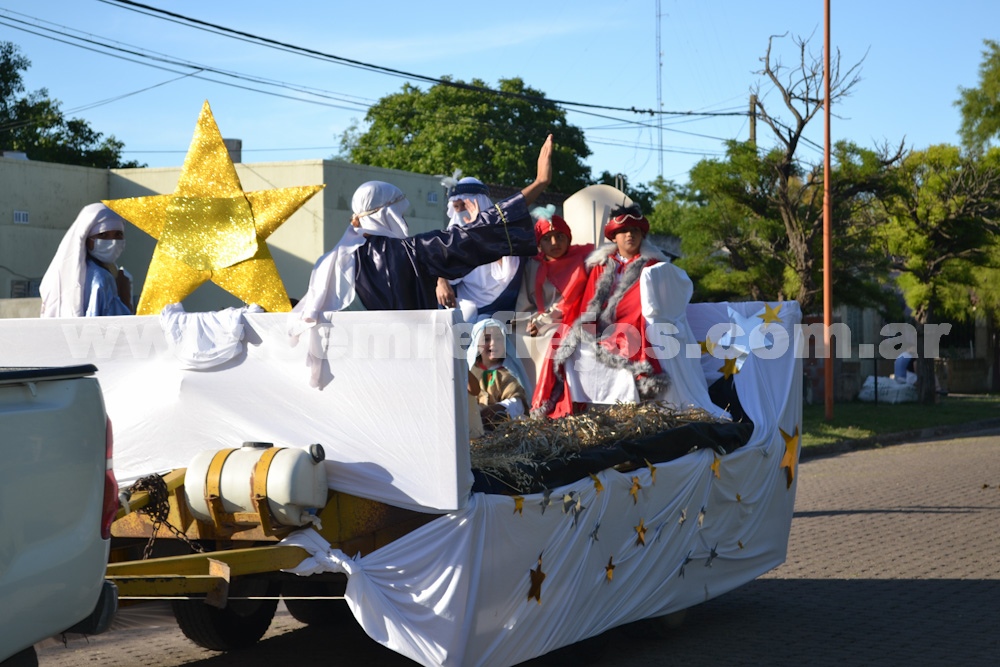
{"points": [[918, 54]]}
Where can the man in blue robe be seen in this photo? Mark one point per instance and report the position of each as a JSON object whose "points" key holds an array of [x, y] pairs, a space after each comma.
{"points": [[381, 265]]}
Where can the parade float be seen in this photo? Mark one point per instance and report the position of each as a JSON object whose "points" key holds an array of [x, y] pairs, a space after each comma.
{"points": [[244, 482]]}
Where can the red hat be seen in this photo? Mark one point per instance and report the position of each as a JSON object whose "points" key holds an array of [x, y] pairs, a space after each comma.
{"points": [[553, 223], [622, 218]]}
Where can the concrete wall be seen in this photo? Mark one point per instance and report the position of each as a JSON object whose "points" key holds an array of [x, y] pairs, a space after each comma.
{"points": [[20, 307], [53, 194]]}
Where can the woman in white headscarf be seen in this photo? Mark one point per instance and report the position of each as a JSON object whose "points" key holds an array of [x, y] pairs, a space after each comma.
{"points": [[83, 278]]}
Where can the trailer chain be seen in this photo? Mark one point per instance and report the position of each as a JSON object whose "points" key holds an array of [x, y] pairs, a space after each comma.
{"points": [[158, 511]]}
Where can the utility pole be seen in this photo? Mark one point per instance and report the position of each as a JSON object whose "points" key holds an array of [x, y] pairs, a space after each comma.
{"points": [[753, 119], [827, 222]]}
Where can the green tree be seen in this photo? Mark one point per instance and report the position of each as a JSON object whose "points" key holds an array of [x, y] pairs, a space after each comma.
{"points": [[943, 221], [980, 106], [35, 125], [494, 136], [726, 226], [751, 223]]}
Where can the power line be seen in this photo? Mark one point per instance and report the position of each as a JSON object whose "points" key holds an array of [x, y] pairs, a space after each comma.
{"points": [[139, 52], [285, 46], [91, 42], [140, 55]]}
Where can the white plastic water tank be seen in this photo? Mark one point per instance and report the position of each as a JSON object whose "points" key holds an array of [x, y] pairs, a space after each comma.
{"points": [[296, 482]]}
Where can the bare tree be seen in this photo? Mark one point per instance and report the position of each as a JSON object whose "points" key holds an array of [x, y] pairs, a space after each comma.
{"points": [[798, 195]]}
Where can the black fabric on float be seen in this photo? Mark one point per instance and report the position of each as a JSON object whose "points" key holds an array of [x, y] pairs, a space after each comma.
{"points": [[658, 448]]}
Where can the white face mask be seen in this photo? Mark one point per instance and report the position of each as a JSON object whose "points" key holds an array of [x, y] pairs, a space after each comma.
{"points": [[107, 250]]}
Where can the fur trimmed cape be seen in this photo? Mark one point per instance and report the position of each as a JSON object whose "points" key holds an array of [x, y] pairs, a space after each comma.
{"points": [[610, 322]]}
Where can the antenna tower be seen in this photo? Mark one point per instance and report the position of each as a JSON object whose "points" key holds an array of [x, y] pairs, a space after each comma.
{"points": [[659, 90]]}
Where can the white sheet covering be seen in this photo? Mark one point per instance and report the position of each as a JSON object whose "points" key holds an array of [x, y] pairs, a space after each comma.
{"points": [[455, 592], [392, 420]]}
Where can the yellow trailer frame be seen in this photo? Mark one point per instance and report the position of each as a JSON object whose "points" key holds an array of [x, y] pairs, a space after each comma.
{"points": [[235, 544]]}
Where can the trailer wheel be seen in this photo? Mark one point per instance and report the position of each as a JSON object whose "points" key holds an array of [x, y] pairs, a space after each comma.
{"points": [[324, 613], [238, 625]]}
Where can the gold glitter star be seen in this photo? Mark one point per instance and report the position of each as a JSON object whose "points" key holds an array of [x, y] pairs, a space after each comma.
{"points": [[210, 229], [640, 533], [609, 569], [519, 505], [729, 368], [537, 577], [790, 457], [715, 465], [771, 314]]}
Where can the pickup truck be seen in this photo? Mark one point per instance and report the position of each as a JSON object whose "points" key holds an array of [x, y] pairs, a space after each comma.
{"points": [[58, 498]]}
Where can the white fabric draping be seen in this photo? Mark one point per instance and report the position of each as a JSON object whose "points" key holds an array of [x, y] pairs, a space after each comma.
{"points": [[393, 420], [456, 591], [203, 340]]}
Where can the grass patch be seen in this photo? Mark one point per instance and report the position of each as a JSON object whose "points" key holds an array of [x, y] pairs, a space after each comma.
{"points": [[861, 420]]}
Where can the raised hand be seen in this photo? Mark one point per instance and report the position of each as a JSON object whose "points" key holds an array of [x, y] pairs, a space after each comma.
{"points": [[543, 175]]}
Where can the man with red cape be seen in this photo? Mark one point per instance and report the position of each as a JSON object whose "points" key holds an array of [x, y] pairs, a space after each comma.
{"points": [[608, 338]]}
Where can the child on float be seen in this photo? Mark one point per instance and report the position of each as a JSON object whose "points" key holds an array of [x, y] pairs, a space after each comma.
{"points": [[616, 327], [551, 288], [555, 278], [500, 376]]}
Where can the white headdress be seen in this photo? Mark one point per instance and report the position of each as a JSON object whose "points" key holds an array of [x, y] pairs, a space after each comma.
{"points": [[378, 208], [61, 288]]}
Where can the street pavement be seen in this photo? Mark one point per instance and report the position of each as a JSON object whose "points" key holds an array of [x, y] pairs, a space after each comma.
{"points": [[893, 559]]}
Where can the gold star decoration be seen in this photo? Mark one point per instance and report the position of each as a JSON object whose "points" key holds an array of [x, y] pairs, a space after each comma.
{"points": [[634, 491], [739, 543], [519, 505], [707, 345], [537, 577], [729, 368], [210, 229], [609, 569], [791, 455], [715, 465], [739, 498], [652, 472], [640, 533], [771, 314], [598, 487]]}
